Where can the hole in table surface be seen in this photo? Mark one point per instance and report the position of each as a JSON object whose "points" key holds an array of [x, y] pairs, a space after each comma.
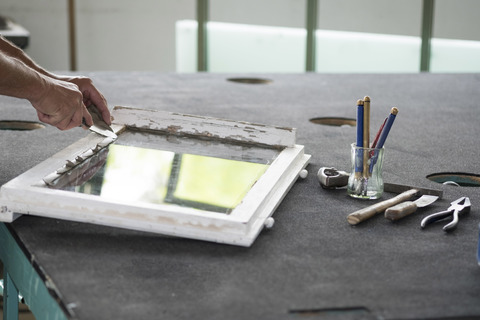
{"points": [[360, 311], [20, 125], [250, 80], [456, 178], [334, 121]]}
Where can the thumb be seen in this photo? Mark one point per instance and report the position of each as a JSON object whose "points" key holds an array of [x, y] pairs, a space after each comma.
{"points": [[87, 116]]}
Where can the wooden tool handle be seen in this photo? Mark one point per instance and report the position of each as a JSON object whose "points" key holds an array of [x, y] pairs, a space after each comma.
{"points": [[400, 210], [368, 212]]}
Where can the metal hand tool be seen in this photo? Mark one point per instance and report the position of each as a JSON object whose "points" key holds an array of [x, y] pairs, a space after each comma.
{"points": [[331, 178], [461, 205], [99, 126]]}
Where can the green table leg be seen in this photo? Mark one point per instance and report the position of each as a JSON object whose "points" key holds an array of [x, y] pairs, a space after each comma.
{"points": [[21, 276], [10, 298]]}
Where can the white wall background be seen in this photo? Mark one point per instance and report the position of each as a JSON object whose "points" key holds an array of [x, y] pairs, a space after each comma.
{"points": [[140, 35]]}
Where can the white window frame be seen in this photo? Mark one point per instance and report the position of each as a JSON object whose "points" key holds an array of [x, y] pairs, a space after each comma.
{"points": [[28, 193]]}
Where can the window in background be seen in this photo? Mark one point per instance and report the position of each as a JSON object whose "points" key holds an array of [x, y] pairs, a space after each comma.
{"points": [[248, 48], [449, 55], [242, 48], [380, 37], [455, 46]]}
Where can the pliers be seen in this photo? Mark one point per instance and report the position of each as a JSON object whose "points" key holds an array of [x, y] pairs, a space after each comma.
{"points": [[461, 205]]}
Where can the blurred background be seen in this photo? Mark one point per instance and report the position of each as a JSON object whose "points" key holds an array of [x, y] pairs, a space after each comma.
{"points": [[248, 35]]}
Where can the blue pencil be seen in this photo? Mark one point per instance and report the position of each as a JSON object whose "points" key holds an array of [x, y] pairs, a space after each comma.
{"points": [[359, 157], [387, 127], [360, 123]]}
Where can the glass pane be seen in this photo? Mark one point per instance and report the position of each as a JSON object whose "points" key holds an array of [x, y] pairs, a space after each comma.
{"points": [[160, 169]]}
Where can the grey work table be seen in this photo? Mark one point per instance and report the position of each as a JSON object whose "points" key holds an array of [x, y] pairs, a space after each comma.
{"points": [[312, 263]]}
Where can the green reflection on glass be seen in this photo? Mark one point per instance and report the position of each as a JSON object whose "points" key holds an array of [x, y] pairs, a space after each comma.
{"points": [[131, 174], [218, 182]]}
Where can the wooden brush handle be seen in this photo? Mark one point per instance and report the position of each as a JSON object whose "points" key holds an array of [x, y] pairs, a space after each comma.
{"points": [[400, 210], [368, 212]]}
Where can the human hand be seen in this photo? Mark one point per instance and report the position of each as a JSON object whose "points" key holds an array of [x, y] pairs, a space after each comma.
{"points": [[91, 95], [61, 105]]}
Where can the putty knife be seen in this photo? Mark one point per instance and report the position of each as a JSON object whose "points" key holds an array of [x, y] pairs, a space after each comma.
{"points": [[408, 207], [99, 126]]}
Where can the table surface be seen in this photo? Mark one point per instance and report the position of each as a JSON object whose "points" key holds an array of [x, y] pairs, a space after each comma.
{"points": [[312, 262]]}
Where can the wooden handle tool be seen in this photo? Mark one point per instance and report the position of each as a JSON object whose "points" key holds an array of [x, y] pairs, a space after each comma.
{"points": [[406, 208], [400, 210], [368, 212]]}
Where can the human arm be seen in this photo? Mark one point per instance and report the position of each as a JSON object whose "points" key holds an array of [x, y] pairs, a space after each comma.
{"points": [[57, 102], [50, 94]]}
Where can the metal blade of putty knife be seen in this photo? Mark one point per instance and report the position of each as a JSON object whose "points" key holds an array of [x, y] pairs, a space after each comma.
{"points": [[99, 126], [406, 208]]}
